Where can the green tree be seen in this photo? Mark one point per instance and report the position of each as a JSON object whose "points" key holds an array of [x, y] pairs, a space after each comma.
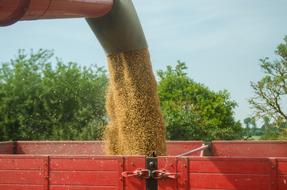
{"points": [[271, 90], [270, 97], [41, 100], [194, 112]]}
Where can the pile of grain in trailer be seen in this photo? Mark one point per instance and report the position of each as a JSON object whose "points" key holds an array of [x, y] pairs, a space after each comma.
{"points": [[136, 124]]}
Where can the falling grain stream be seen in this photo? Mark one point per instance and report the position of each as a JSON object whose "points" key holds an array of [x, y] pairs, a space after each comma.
{"points": [[135, 121]]}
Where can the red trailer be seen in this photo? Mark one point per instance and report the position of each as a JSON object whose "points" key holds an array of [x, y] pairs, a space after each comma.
{"points": [[73, 165]]}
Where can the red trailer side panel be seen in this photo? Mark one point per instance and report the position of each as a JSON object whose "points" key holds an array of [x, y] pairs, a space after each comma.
{"points": [[6, 147], [183, 173], [91, 147], [250, 148], [169, 165], [133, 163], [282, 173], [178, 147], [22, 173], [230, 173], [61, 147], [86, 172], [217, 173]]}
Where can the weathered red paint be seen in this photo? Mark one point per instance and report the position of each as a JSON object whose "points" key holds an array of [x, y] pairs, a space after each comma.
{"points": [[132, 163], [6, 148], [60, 147], [230, 173], [282, 173], [91, 147], [250, 148], [168, 164], [77, 169]]}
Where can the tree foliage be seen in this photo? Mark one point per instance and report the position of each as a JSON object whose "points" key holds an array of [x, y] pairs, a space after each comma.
{"points": [[194, 112], [270, 98], [41, 100]]}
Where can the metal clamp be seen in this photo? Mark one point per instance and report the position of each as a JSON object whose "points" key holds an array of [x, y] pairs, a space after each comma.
{"points": [[147, 174], [141, 173], [163, 174]]}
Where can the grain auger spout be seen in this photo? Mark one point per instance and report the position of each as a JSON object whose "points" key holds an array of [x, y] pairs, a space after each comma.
{"points": [[119, 30], [115, 22]]}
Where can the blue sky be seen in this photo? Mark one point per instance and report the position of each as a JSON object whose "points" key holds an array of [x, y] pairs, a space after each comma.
{"points": [[220, 40]]}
